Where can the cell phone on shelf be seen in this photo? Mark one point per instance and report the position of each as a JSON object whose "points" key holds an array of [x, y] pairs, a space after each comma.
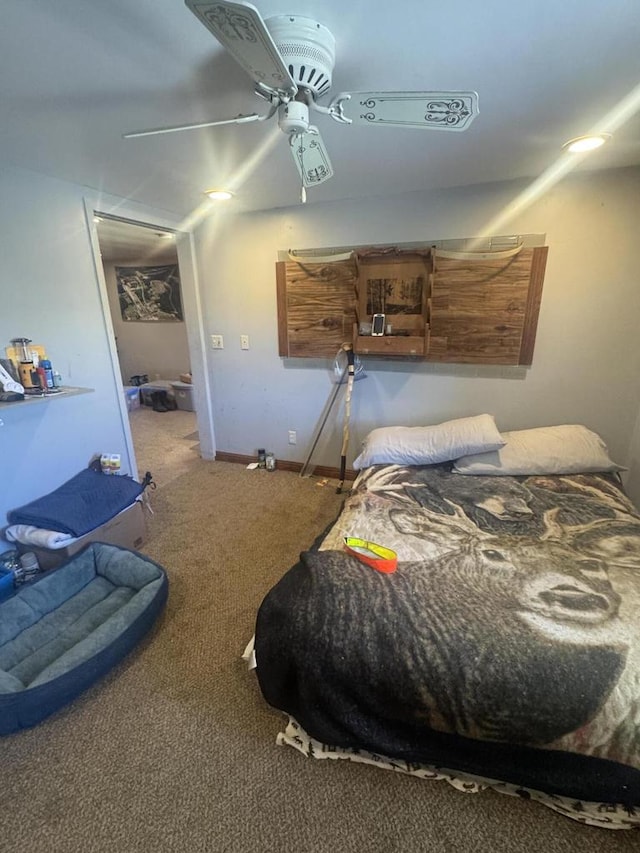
{"points": [[377, 324]]}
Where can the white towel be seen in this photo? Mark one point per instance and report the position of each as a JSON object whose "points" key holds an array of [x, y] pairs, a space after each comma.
{"points": [[27, 534]]}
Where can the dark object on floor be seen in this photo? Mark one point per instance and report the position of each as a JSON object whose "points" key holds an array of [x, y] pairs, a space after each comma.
{"points": [[162, 402], [81, 504], [70, 626], [156, 402], [148, 480], [149, 388]]}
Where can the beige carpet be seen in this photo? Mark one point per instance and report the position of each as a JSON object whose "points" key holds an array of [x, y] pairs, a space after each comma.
{"points": [[165, 443], [175, 749]]}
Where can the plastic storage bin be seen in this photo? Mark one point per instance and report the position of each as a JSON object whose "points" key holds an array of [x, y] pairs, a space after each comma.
{"points": [[148, 389], [132, 396], [183, 393]]}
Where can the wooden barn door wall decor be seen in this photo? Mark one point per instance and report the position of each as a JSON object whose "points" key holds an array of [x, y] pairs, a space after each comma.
{"points": [[439, 304]]}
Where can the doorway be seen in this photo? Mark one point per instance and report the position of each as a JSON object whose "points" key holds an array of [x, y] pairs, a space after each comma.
{"points": [[149, 294]]}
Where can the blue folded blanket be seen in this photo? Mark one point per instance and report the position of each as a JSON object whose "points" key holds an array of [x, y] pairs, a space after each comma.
{"points": [[82, 503]]}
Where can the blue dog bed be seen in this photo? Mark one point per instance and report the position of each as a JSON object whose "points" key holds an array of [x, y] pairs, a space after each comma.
{"points": [[68, 628]]}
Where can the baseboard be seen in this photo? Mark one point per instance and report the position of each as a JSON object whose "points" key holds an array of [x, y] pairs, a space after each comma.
{"points": [[286, 465]]}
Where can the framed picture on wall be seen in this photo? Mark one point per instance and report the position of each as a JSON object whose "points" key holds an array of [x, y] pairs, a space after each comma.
{"points": [[150, 294]]}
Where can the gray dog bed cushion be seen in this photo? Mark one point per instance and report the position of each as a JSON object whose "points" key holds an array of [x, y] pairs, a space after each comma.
{"points": [[71, 626]]}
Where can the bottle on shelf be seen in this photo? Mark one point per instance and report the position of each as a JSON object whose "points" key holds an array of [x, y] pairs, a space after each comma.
{"points": [[45, 364]]}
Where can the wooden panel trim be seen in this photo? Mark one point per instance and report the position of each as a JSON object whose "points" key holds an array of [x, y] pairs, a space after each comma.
{"points": [[286, 465], [534, 298], [390, 345], [283, 320]]}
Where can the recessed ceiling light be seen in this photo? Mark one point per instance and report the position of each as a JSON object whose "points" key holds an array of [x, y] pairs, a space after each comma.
{"points": [[586, 143], [165, 235], [219, 195]]}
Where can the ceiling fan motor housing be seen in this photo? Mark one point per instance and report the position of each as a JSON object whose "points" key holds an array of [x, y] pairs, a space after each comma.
{"points": [[293, 117], [308, 50]]}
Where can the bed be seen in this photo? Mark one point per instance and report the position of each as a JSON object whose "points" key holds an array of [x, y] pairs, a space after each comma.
{"points": [[504, 651]]}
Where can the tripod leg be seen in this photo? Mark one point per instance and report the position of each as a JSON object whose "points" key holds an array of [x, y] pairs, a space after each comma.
{"points": [[334, 394]]}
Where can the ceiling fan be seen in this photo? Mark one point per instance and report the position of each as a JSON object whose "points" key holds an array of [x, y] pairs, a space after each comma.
{"points": [[290, 60]]}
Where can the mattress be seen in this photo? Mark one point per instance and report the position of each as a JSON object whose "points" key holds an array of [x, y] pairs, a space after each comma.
{"points": [[505, 647]]}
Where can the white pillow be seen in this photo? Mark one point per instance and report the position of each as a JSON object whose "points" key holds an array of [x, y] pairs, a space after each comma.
{"points": [[565, 449], [400, 445]]}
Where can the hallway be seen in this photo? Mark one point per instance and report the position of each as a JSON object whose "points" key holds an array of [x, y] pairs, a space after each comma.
{"points": [[165, 443]]}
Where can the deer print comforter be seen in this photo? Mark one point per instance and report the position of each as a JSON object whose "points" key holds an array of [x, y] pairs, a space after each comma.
{"points": [[506, 644]]}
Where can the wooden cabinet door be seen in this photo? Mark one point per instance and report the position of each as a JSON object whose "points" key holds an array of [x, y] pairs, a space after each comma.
{"points": [[316, 307], [483, 309]]}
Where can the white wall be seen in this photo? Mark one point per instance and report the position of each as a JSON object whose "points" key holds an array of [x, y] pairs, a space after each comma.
{"points": [[50, 292], [587, 354], [161, 350]]}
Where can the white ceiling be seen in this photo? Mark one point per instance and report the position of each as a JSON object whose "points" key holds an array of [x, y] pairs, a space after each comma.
{"points": [[77, 74], [122, 242]]}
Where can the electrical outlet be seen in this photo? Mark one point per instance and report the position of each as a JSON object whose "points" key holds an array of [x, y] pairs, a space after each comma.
{"points": [[217, 342], [293, 438], [244, 341]]}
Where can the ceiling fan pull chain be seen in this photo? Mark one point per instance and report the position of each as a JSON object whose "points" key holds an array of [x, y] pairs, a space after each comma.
{"points": [[303, 192]]}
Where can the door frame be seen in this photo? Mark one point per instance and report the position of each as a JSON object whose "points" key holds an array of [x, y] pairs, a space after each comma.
{"points": [[136, 214]]}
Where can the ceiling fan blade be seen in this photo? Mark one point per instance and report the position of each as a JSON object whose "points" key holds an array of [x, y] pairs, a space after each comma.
{"points": [[158, 130], [437, 110], [240, 29], [311, 158]]}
